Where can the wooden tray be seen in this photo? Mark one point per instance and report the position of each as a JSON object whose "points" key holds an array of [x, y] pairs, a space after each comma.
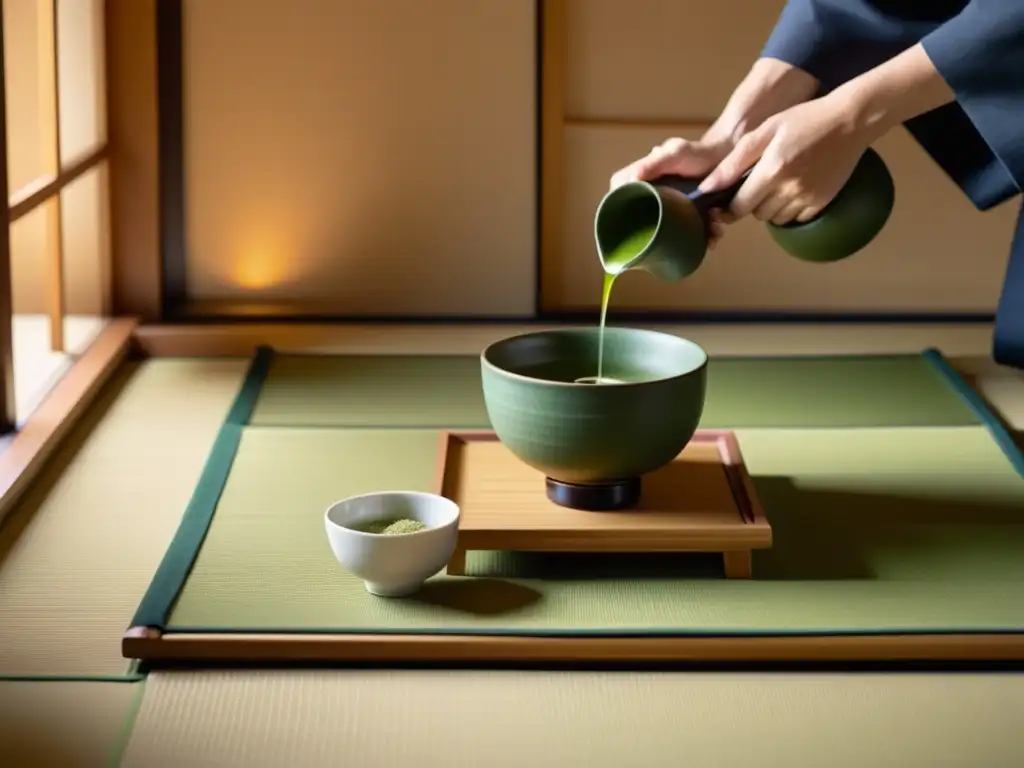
{"points": [[703, 501]]}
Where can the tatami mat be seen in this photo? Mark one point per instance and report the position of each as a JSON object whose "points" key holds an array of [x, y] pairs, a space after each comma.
{"points": [[1002, 387], [78, 554], [577, 720], [64, 724], [77, 557], [445, 391], [875, 530], [410, 391]]}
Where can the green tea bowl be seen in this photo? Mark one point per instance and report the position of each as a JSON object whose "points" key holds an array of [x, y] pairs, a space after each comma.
{"points": [[594, 434]]}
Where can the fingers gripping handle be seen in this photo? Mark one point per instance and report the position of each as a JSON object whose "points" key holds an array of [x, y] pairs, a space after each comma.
{"points": [[705, 201]]}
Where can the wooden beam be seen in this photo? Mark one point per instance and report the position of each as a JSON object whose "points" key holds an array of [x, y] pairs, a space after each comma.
{"points": [[134, 167], [49, 143], [149, 644], [8, 406], [554, 31], [30, 197], [241, 339], [22, 460]]}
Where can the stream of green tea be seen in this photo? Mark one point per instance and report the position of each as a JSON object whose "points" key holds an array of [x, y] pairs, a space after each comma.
{"points": [[615, 264]]}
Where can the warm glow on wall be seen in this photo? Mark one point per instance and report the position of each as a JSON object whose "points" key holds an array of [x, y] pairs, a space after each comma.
{"points": [[257, 248], [259, 267]]}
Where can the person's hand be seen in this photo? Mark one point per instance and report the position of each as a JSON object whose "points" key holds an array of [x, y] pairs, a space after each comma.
{"points": [[770, 87], [689, 159], [803, 158]]}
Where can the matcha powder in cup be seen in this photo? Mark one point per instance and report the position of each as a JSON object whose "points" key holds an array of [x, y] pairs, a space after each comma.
{"points": [[392, 527]]}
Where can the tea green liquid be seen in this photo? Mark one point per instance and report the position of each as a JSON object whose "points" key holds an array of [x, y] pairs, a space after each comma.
{"points": [[615, 264]]}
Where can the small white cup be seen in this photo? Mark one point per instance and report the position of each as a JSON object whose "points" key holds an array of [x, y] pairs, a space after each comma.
{"points": [[393, 565]]}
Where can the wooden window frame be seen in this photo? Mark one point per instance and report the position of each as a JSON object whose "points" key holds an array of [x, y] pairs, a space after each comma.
{"points": [[33, 442], [44, 192], [8, 406]]}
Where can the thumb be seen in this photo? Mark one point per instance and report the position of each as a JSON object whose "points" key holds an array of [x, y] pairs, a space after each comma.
{"points": [[675, 156], [685, 158], [746, 153]]}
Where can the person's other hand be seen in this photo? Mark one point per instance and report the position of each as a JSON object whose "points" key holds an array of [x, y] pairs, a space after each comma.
{"points": [[803, 158], [689, 159]]}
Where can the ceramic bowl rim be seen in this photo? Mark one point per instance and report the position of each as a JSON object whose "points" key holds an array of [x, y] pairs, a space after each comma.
{"points": [[449, 503], [586, 330]]}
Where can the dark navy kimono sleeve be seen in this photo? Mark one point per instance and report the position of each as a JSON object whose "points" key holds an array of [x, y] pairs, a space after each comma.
{"points": [[978, 48], [980, 54]]}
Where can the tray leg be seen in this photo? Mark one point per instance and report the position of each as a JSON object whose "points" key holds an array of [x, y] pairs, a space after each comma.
{"points": [[457, 563], [739, 564]]}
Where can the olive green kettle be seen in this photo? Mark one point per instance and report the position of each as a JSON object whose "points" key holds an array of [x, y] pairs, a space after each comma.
{"points": [[669, 215]]}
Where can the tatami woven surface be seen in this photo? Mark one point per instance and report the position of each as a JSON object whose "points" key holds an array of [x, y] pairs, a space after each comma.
{"points": [[78, 554], [65, 724], [874, 530], [449, 719], [445, 391], [164, 424]]}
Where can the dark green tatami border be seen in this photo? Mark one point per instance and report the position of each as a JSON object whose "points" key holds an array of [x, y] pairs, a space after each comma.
{"points": [[1000, 433], [632, 632], [169, 580], [133, 675], [177, 562]]}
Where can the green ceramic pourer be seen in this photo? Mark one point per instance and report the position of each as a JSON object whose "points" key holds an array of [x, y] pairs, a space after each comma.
{"points": [[671, 216]]}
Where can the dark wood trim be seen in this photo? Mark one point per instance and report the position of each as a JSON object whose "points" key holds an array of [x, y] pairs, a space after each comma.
{"points": [[963, 343], [27, 199], [8, 406], [171, 132], [213, 310], [808, 317], [538, 100], [53, 213], [154, 645], [262, 311], [552, 38], [134, 165]]}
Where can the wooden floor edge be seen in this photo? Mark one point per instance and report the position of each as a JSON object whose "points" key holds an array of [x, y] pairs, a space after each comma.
{"points": [[136, 641], [43, 431], [241, 339], [269, 648]]}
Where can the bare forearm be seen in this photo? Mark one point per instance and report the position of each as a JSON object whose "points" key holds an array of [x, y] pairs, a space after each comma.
{"points": [[902, 88], [770, 87]]}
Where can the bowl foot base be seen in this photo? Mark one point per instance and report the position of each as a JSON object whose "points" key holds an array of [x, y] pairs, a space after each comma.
{"points": [[392, 590], [603, 497]]}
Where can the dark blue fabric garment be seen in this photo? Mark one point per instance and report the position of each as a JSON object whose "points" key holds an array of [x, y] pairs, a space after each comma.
{"points": [[978, 48]]}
